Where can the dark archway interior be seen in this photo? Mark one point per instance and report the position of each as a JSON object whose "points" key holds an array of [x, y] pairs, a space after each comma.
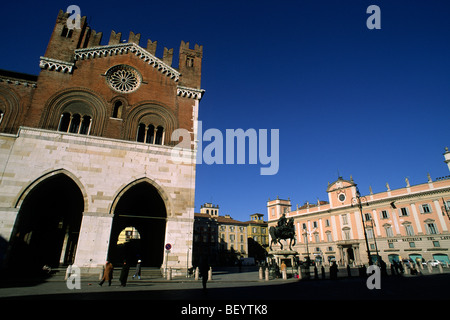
{"points": [[141, 207], [48, 225]]}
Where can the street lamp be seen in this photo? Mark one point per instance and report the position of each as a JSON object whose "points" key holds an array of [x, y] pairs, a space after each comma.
{"points": [[307, 233], [358, 200]]}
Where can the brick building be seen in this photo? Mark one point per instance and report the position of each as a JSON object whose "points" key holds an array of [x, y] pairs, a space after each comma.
{"points": [[407, 223], [86, 151]]}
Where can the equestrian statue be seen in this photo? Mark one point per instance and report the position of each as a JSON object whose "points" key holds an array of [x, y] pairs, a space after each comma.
{"points": [[285, 229]]}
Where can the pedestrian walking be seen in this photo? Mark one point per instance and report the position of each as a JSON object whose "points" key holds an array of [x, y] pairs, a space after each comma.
{"points": [[204, 268], [137, 273], [124, 274], [107, 273], [333, 271]]}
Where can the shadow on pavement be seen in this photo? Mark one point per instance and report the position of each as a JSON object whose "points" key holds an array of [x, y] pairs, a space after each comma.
{"points": [[432, 287]]}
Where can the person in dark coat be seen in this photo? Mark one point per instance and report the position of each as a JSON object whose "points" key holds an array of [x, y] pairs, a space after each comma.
{"points": [[124, 274], [107, 273], [333, 271], [204, 268], [138, 270]]}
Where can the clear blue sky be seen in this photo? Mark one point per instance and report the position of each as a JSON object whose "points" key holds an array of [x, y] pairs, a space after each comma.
{"points": [[369, 103]]}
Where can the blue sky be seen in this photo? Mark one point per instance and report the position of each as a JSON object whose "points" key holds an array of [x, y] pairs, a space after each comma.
{"points": [[373, 104]]}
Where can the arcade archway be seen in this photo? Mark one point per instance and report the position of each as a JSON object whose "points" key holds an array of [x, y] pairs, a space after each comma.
{"points": [[142, 208], [48, 224]]}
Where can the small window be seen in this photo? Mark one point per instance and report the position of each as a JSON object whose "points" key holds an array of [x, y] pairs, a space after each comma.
{"points": [[425, 208], [75, 123], [117, 110], [64, 122], [66, 32], [404, 212], [151, 135], [85, 125], [431, 228], [389, 232], [384, 214], [189, 62], [141, 133], [159, 138], [409, 230]]}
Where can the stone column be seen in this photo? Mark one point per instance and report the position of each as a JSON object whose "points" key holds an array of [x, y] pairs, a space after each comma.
{"points": [[93, 241]]}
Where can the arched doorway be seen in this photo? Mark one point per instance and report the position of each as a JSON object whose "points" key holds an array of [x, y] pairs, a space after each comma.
{"points": [[140, 207], [48, 224]]}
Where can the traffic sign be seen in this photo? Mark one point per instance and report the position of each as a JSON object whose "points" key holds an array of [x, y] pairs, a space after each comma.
{"points": [[168, 246]]}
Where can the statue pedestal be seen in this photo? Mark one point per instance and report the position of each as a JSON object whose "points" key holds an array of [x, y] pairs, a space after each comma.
{"points": [[281, 255]]}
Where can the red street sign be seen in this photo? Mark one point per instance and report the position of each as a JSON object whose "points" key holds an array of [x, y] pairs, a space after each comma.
{"points": [[168, 246]]}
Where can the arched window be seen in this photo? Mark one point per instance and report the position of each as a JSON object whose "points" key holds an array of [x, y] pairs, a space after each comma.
{"points": [[85, 125], [149, 134], [117, 110], [159, 139], [64, 122], [75, 123], [141, 133]]}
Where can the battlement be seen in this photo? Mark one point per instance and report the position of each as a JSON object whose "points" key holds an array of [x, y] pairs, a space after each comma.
{"points": [[65, 41]]}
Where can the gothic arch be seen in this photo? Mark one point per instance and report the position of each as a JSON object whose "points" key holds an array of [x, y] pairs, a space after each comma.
{"points": [[124, 188], [11, 107], [47, 226], [69, 99], [153, 112], [33, 183]]}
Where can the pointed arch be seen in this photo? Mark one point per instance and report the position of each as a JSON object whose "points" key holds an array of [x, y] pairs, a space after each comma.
{"points": [[33, 183], [124, 188]]}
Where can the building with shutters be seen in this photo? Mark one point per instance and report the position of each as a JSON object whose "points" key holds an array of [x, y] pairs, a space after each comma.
{"points": [[409, 223]]}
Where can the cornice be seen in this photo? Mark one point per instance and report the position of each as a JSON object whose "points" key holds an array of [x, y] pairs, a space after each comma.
{"points": [[193, 93], [125, 48], [56, 65]]}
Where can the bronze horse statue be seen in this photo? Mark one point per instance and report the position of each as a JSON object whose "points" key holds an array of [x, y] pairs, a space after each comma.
{"points": [[284, 230]]}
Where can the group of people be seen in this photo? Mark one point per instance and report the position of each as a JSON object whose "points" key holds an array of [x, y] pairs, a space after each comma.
{"points": [[108, 273]]}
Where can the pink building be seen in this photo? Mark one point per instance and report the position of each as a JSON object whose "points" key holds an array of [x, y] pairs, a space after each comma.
{"points": [[407, 223]]}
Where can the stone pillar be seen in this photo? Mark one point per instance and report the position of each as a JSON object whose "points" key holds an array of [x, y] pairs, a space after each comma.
{"points": [[267, 274], [7, 221], [93, 241], [210, 274]]}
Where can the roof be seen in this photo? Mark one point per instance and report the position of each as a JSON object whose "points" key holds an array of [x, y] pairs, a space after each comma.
{"points": [[220, 219], [18, 75]]}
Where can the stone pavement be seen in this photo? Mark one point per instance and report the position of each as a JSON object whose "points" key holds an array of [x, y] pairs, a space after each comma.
{"points": [[228, 284]]}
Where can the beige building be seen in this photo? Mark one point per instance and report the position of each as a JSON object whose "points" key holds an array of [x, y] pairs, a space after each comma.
{"points": [[258, 229], [407, 223]]}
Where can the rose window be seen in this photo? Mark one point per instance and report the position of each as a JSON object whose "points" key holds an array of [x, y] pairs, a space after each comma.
{"points": [[123, 78]]}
